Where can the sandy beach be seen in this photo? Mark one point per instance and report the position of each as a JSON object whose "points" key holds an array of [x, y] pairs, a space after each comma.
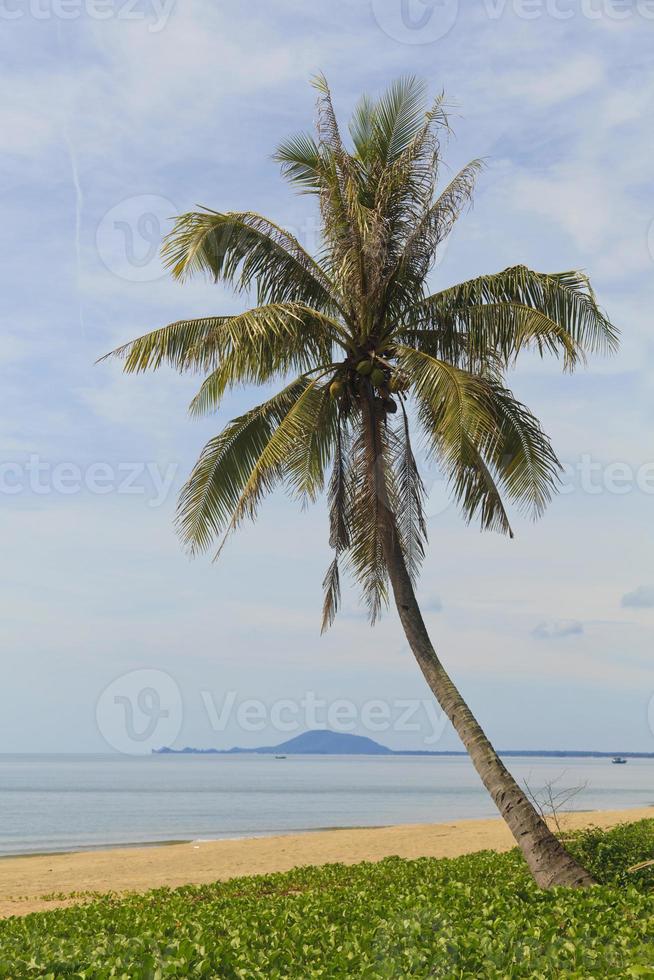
{"points": [[29, 884]]}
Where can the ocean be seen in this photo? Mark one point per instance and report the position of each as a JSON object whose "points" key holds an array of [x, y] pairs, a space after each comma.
{"points": [[69, 802]]}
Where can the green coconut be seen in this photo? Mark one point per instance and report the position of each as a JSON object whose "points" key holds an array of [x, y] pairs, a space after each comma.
{"points": [[378, 377], [335, 388], [364, 367]]}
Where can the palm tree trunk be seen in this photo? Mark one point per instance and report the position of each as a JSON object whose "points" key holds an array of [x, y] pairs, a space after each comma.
{"points": [[548, 861]]}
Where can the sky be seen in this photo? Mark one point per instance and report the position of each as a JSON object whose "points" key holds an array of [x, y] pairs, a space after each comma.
{"points": [[115, 117]]}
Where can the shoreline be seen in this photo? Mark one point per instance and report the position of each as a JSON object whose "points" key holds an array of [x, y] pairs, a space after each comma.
{"points": [[34, 882], [251, 835], [247, 835]]}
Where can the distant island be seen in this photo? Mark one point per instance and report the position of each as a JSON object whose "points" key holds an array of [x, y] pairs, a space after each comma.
{"points": [[326, 742], [317, 742]]}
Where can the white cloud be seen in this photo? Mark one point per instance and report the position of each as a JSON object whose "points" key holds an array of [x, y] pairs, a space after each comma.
{"points": [[640, 598], [558, 629], [577, 201], [557, 83]]}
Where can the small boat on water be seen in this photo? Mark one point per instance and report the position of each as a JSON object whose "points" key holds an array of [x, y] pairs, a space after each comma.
{"points": [[280, 756], [619, 761]]}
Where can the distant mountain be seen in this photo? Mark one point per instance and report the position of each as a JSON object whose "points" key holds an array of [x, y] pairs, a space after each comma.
{"points": [[325, 742], [319, 742]]}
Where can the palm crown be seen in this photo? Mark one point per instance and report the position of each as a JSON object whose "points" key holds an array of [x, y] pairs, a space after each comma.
{"points": [[364, 349]]}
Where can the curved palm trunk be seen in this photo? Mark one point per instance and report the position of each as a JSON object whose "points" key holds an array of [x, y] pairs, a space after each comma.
{"points": [[548, 860]]}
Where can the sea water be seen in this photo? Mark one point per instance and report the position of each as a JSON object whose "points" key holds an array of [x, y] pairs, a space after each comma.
{"points": [[58, 802]]}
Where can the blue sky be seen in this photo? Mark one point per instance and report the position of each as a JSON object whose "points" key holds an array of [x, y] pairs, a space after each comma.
{"points": [[116, 117]]}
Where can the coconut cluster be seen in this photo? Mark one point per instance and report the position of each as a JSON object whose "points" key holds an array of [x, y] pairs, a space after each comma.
{"points": [[381, 377]]}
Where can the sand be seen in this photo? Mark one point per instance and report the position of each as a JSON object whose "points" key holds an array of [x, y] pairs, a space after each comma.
{"points": [[29, 884]]}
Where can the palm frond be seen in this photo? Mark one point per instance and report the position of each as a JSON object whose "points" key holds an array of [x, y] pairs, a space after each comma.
{"points": [[470, 480], [214, 490], [301, 162], [284, 455], [311, 443], [458, 418], [462, 401], [242, 249], [331, 585], [362, 130], [485, 440], [339, 532], [509, 311], [433, 226], [179, 345], [368, 498], [344, 213], [410, 498], [261, 344], [249, 348], [399, 117], [525, 462]]}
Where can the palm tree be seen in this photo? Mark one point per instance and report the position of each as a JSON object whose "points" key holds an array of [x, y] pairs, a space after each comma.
{"points": [[365, 353]]}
